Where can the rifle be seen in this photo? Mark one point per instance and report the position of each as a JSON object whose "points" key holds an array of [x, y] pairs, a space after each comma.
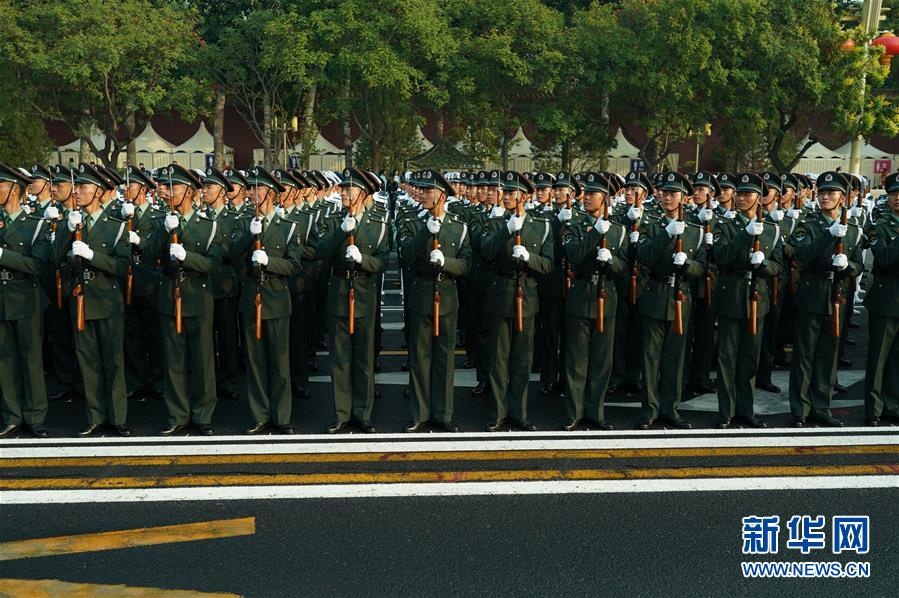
{"points": [[351, 240], [567, 274], [635, 266], [58, 279], [708, 264], [435, 245], [179, 324], [601, 294], [258, 271], [129, 278], [754, 295], [519, 272], [837, 299], [679, 296], [78, 264]]}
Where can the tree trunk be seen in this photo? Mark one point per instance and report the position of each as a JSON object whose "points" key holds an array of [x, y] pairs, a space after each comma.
{"points": [[84, 151], [309, 133], [218, 128], [566, 156], [131, 154], [347, 144], [267, 136], [504, 151]]}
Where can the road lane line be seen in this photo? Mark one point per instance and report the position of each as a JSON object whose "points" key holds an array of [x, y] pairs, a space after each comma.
{"points": [[128, 538], [332, 491], [392, 457], [205, 480], [21, 588]]}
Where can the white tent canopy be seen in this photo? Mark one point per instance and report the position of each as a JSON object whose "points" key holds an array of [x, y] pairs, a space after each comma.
{"points": [[867, 151], [201, 142], [623, 147], [520, 145]]}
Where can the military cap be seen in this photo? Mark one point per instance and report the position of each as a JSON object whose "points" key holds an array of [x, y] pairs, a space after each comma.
{"points": [[788, 179], [375, 180], [39, 171], [315, 179], [891, 183], [805, 181], [751, 182], [856, 182], [772, 181], [14, 175], [433, 179], [543, 180], [236, 177], [260, 176], [596, 181], [139, 176], [727, 181], [676, 181], [302, 180], [90, 175], [465, 178], [616, 181], [175, 173], [515, 181], [111, 175], [491, 178], [213, 176], [353, 177], [638, 179], [286, 178], [704, 178], [564, 179], [833, 181], [62, 174]]}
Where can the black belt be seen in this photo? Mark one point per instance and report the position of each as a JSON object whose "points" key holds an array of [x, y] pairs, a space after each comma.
{"points": [[513, 273], [431, 276], [182, 274], [6, 275], [666, 280], [745, 274], [350, 274]]}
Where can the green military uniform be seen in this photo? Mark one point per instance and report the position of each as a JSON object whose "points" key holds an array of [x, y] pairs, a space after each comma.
{"points": [[190, 394], [512, 350], [24, 259], [352, 355], [882, 302], [432, 359], [99, 347], [588, 363], [482, 273], [663, 349], [813, 369], [738, 348], [268, 358]]}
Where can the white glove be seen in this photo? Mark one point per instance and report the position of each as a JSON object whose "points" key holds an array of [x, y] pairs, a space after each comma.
{"points": [[730, 214], [51, 213], [52, 237], [353, 253], [74, 220], [127, 210], [868, 203], [437, 257], [433, 226], [840, 261], [793, 213], [520, 253], [603, 255], [705, 215], [422, 213], [680, 258], [171, 222], [279, 211], [755, 228], [708, 238], [564, 215], [81, 249], [635, 236], [756, 258], [602, 226], [634, 213], [854, 211], [675, 228], [260, 257], [515, 223], [348, 224], [714, 203], [838, 230], [256, 226], [133, 238], [528, 206], [177, 251], [497, 212], [776, 215]]}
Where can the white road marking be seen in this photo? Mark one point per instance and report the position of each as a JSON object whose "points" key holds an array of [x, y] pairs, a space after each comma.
{"points": [[27, 497]]}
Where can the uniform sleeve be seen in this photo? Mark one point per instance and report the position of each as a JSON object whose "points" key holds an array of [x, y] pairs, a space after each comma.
{"points": [[206, 263], [884, 251], [37, 264], [461, 264], [117, 262], [289, 264], [377, 262]]}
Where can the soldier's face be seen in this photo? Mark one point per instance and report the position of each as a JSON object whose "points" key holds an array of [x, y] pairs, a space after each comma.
{"points": [[893, 201], [830, 199], [212, 193], [350, 196], [594, 201], [62, 190], [543, 195], [727, 195], [562, 195], [85, 194], [511, 199], [37, 186], [700, 195], [771, 197], [430, 197], [746, 201], [671, 200], [786, 200], [6, 191], [181, 193]]}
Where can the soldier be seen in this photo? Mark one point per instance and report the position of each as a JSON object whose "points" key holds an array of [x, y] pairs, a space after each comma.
{"points": [[828, 248], [99, 245], [355, 245], [270, 247], [882, 301], [665, 303], [521, 245], [596, 249], [24, 259], [438, 250], [742, 298]]}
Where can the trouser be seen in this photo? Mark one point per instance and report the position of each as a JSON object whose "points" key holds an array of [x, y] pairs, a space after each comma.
{"points": [[702, 326], [510, 367], [352, 368], [99, 348], [190, 394], [628, 354], [770, 344], [432, 367], [227, 370], [23, 393], [61, 347], [299, 340], [468, 314], [552, 361], [663, 368], [482, 321], [738, 359], [143, 345], [268, 369], [813, 369], [882, 372], [587, 376]]}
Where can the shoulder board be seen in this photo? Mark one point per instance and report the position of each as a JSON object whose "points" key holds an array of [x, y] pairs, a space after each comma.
{"points": [[113, 218]]}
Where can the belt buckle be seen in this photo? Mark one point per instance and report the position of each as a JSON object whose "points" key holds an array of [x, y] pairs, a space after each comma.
{"points": [[594, 279], [747, 275], [135, 259], [670, 280], [180, 276], [87, 275], [5, 275]]}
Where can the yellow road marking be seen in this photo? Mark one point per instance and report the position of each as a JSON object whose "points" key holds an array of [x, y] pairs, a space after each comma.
{"points": [[445, 456], [440, 476], [128, 538], [21, 588]]}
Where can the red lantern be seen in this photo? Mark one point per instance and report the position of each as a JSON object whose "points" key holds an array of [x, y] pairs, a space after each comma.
{"points": [[890, 44]]}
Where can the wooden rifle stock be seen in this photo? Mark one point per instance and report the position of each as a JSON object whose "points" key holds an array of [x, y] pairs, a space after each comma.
{"points": [[837, 300], [179, 323], [601, 294], [678, 294], [78, 293], [519, 291], [708, 264], [567, 274], [258, 299], [351, 325], [435, 245], [635, 267], [129, 278]]}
